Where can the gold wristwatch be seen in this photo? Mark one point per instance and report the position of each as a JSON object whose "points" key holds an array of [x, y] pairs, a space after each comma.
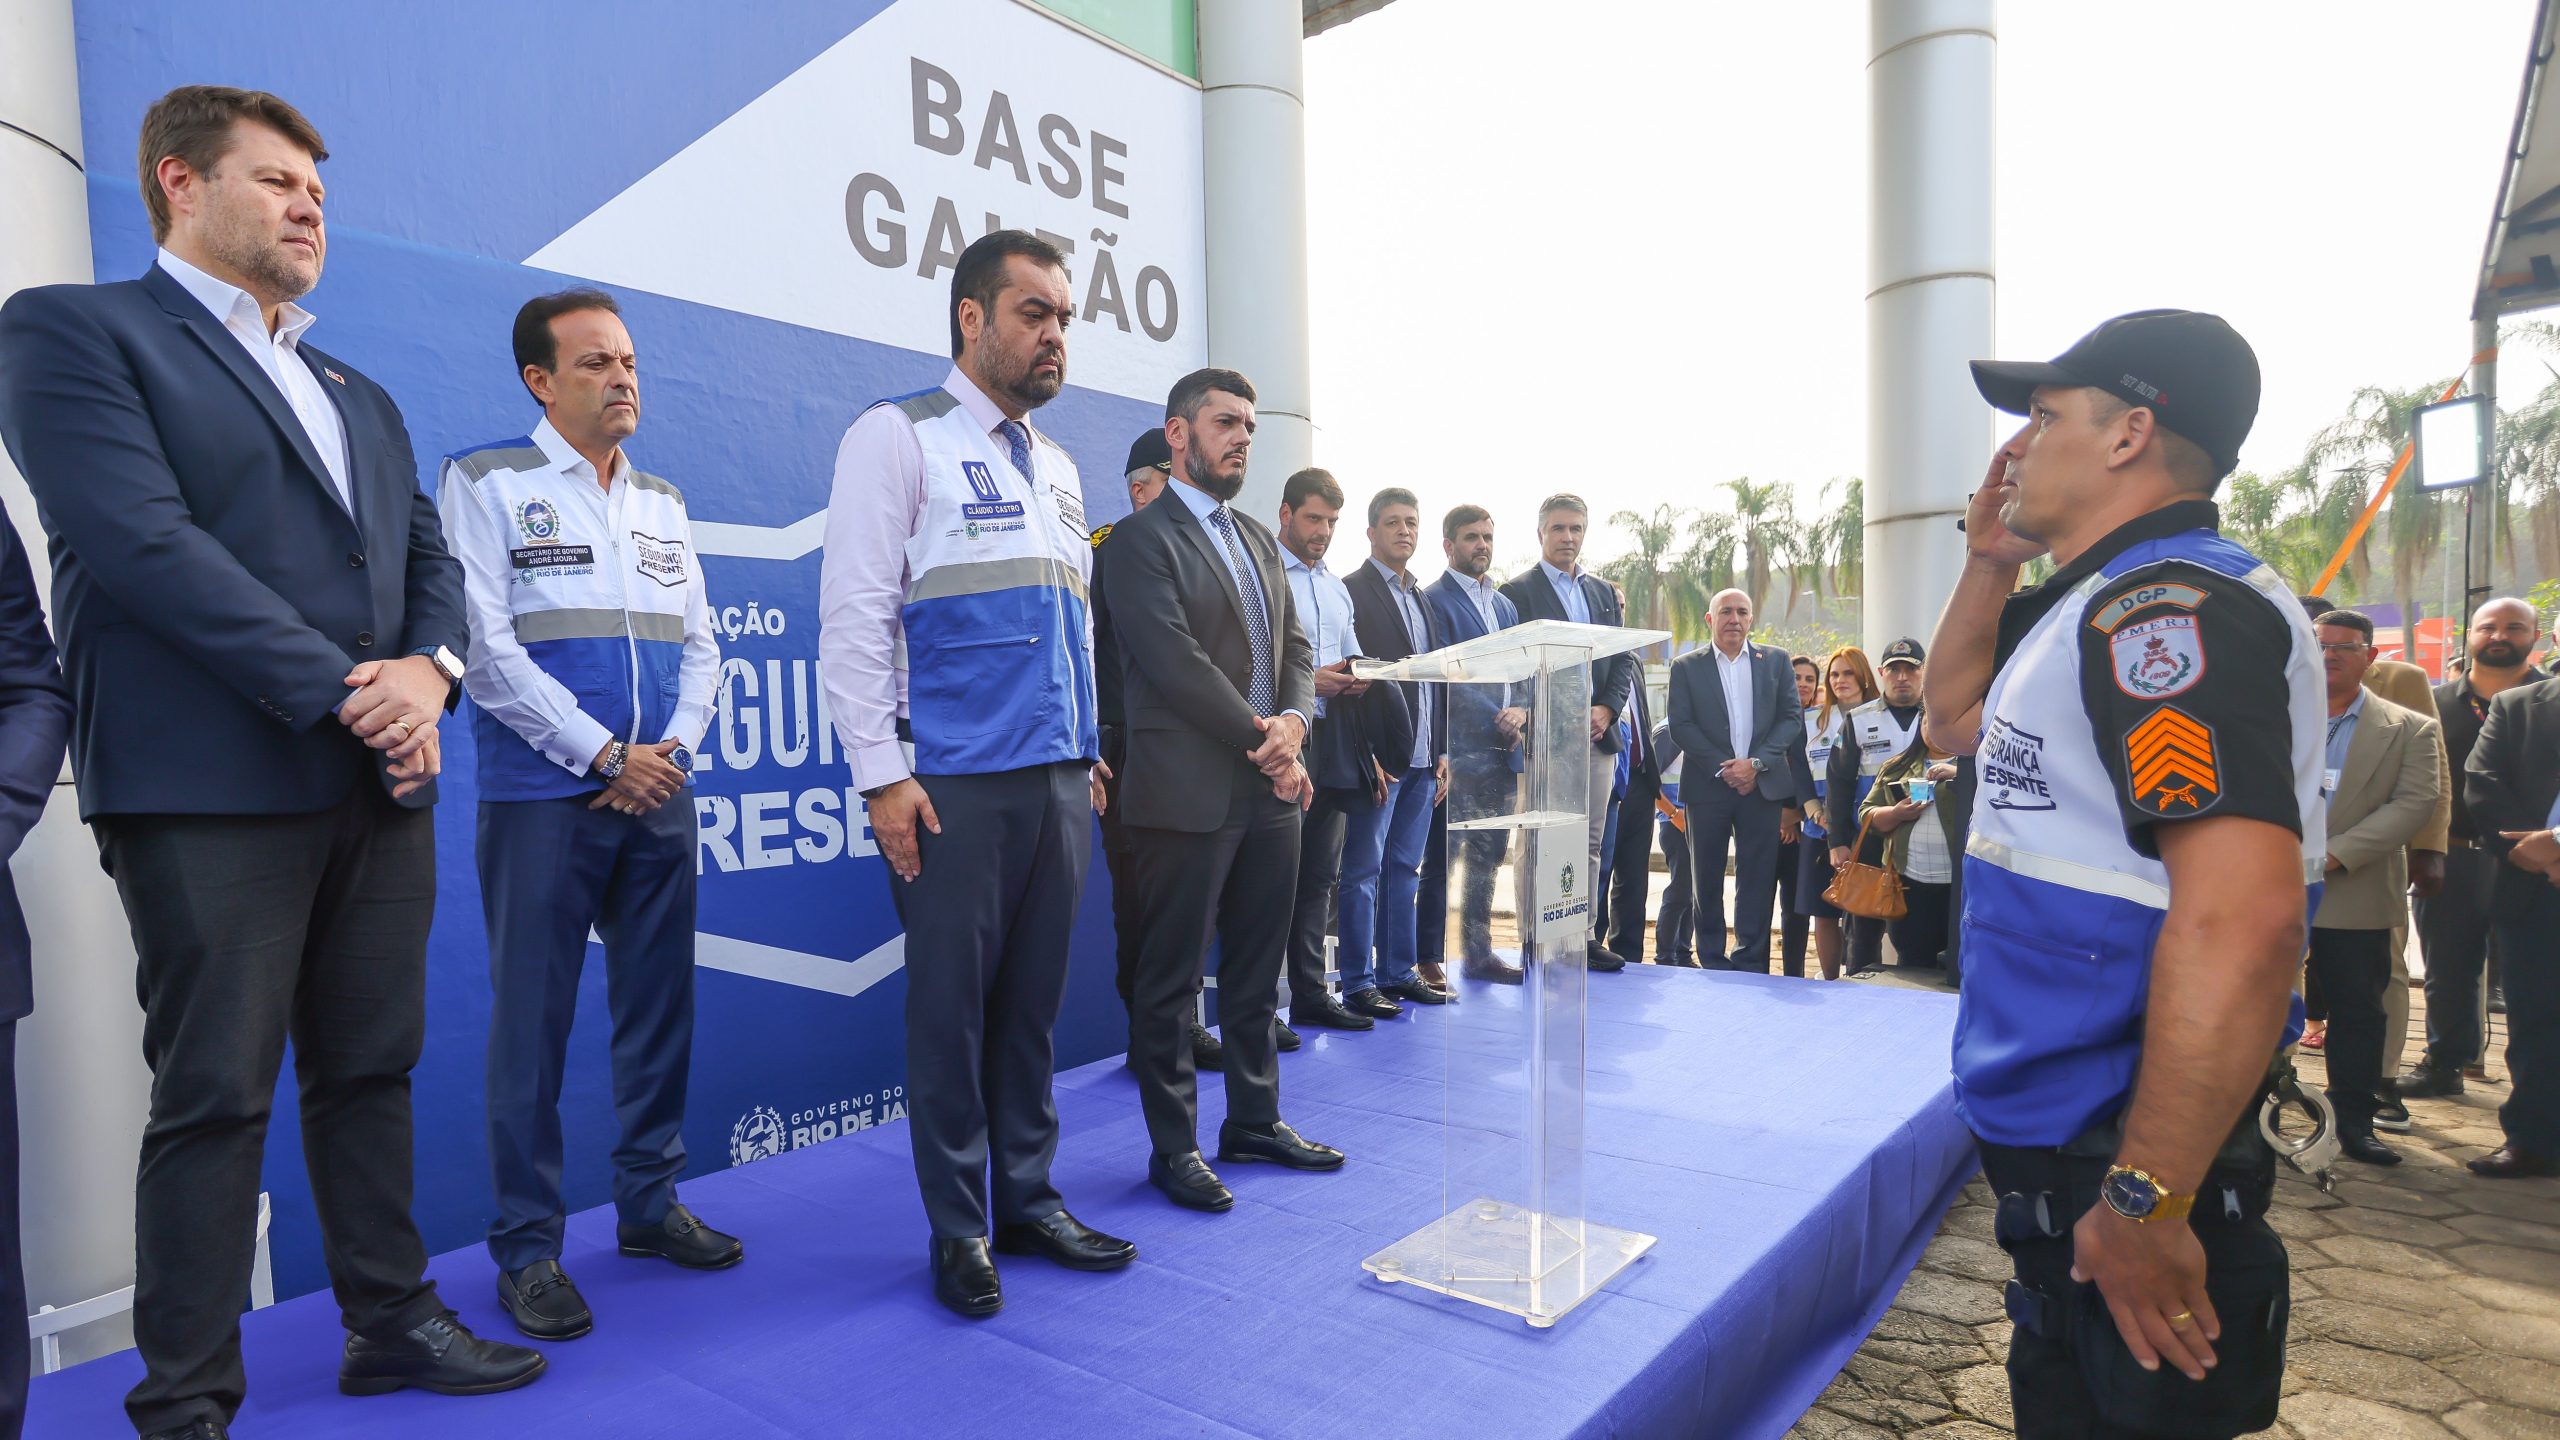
{"points": [[2139, 1197]]}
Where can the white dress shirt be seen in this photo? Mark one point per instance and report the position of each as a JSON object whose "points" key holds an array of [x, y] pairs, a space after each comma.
{"points": [[1324, 611], [279, 355], [1735, 673]]}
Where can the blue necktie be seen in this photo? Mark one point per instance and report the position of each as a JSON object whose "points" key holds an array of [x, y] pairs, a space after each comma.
{"points": [[1017, 438], [1257, 619]]}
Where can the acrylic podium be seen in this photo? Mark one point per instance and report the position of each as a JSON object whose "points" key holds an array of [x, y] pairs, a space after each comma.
{"points": [[1512, 1231]]}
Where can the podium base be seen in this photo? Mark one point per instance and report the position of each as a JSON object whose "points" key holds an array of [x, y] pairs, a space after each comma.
{"points": [[1510, 1258]]}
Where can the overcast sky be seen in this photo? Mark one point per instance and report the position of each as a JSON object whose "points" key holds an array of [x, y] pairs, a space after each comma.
{"points": [[1625, 252]]}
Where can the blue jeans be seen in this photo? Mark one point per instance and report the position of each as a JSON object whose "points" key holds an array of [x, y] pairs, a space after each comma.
{"points": [[1381, 875]]}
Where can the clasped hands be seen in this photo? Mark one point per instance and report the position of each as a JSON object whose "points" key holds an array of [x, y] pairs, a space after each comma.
{"points": [[648, 780], [2537, 851], [1277, 758], [394, 709]]}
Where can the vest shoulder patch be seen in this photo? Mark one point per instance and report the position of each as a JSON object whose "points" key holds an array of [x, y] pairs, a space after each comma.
{"points": [[2171, 769], [2107, 615], [1101, 535]]}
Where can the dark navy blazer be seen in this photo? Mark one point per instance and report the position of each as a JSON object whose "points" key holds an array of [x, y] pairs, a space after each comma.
{"points": [[210, 591], [35, 715], [1472, 707]]}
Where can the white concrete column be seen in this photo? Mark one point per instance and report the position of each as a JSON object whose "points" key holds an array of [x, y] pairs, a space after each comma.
{"points": [[1930, 71], [82, 1090], [1254, 149]]}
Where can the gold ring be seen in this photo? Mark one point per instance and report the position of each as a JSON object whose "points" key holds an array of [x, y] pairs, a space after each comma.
{"points": [[2182, 1320], [404, 727]]}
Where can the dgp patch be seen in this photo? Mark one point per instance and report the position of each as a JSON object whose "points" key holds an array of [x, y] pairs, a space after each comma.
{"points": [[2158, 658], [2170, 766]]}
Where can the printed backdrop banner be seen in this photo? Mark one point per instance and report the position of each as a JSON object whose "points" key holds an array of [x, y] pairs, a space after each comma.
{"points": [[777, 205]]}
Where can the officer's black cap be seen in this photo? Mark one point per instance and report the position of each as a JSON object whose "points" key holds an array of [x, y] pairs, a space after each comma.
{"points": [[1905, 649], [2190, 369], [1150, 451]]}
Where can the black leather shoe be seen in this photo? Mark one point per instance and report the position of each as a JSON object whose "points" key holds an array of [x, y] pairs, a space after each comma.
{"points": [[683, 1239], [2389, 1114], [2509, 1163], [1278, 1145], [1206, 1052], [2427, 1082], [1061, 1237], [1187, 1181], [2367, 1149], [543, 1302], [1371, 1003], [438, 1355], [1414, 992], [1491, 968], [1326, 1013], [964, 1277], [197, 1430], [1601, 958], [1286, 1038]]}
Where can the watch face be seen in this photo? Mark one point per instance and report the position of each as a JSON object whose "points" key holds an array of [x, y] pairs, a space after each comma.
{"points": [[2130, 1195], [681, 758]]}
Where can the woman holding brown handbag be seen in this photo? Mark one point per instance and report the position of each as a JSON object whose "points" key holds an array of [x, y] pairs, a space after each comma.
{"points": [[1922, 845]]}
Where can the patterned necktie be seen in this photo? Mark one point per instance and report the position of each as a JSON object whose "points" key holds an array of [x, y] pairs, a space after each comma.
{"points": [[1257, 619], [1017, 438]]}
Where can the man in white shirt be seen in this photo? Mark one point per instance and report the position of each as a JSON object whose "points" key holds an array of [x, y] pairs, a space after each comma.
{"points": [[1735, 714]]}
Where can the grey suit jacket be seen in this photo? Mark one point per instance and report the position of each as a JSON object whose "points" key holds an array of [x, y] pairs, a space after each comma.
{"points": [[1698, 717], [2388, 791]]}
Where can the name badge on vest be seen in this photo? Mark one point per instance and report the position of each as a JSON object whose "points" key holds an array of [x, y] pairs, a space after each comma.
{"points": [[989, 513], [542, 562]]}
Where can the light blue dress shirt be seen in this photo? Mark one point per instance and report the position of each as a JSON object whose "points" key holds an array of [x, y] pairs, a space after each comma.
{"points": [[1324, 611], [2342, 733], [1200, 502], [1577, 606]]}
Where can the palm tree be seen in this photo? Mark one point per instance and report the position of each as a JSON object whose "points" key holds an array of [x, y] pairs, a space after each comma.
{"points": [[1844, 528], [1658, 589], [1705, 566], [2358, 451], [1762, 511]]}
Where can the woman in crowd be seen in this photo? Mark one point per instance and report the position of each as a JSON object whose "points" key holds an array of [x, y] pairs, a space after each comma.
{"points": [[1792, 917], [1848, 682]]}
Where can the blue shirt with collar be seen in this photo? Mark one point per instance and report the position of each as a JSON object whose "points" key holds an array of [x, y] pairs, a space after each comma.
{"points": [[1418, 632], [1577, 606]]}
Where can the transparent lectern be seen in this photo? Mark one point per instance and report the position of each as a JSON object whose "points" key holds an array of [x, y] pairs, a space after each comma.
{"points": [[1512, 1231]]}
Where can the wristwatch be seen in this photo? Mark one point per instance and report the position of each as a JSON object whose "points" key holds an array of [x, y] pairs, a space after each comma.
{"points": [[2140, 1198], [447, 663]]}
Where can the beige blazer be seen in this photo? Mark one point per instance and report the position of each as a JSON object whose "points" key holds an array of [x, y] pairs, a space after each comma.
{"points": [[2405, 685], [2387, 791]]}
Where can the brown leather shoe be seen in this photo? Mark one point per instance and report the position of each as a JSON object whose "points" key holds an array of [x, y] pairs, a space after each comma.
{"points": [[2509, 1163]]}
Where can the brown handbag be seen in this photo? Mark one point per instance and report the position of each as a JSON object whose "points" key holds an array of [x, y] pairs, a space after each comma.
{"points": [[1872, 891]]}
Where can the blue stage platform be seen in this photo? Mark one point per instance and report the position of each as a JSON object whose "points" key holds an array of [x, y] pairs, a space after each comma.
{"points": [[1791, 1143]]}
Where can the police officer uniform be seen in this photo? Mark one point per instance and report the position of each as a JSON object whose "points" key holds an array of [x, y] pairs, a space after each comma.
{"points": [[590, 630], [2164, 674]]}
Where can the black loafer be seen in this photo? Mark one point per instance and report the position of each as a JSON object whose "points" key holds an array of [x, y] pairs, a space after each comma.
{"points": [[1368, 1002], [544, 1302], [2367, 1149], [1286, 1038], [2428, 1082], [1326, 1013], [1278, 1145], [2389, 1114], [964, 1277], [1599, 957], [1497, 971], [194, 1430], [683, 1239], [438, 1355], [1061, 1237], [2509, 1163], [1415, 992], [1187, 1181], [1206, 1052]]}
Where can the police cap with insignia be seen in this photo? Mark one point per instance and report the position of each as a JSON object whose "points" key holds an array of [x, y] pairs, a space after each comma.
{"points": [[1150, 452], [1905, 651], [2190, 369]]}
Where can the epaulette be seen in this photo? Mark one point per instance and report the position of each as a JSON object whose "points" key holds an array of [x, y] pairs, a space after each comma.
{"points": [[1101, 535]]}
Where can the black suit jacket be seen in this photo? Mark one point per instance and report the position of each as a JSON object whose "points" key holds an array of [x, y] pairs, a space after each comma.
{"points": [[2510, 781], [1777, 719], [35, 715], [1611, 679], [1186, 661], [1379, 623], [210, 590]]}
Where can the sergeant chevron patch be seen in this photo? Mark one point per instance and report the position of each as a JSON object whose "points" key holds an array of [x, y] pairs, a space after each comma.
{"points": [[2170, 769]]}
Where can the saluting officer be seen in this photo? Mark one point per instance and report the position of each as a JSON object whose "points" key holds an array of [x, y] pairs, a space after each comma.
{"points": [[2147, 843], [591, 669]]}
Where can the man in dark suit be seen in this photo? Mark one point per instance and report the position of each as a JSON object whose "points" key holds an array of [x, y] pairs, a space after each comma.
{"points": [[1484, 754], [1622, 904], [2511, 784], [1217, 688], [1560, 589], [35, 717], [1382, 850], [260, 624], [1735, 713]]}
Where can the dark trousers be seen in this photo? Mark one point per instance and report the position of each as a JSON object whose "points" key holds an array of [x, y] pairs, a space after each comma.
{"points": [[1631, 869], [2529, 945], [1674, 927], [1793, 926], [2070, 1375], [1239, 882], [1866, 942], [2453, 935], [1920, 936], [13, 1273], [1128, 923], [549, 869], [1319, 872], [1478, 787], [1747, 825], [987, 920], [2352, 970], [250, 929]]}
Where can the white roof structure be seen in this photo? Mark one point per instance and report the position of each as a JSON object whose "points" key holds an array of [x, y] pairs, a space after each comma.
{"points": [[1323, 15], [2520, 269]]}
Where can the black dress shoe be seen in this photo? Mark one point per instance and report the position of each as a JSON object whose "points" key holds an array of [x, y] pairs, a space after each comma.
{"points": [[2367, 1149], [1277, 1145], [1061, 1237], [1415, 992], [195, 1430], [1491, 968], [1326, 1013], [1285, 1037], [1187, 1181], [683, 1239], [2389, 1114], [964, 1277], [1601, 958], [543, 1302], [437, 1355], [1206, 1052], [2509, 1163], [1370, 1002], [2428, 1082]]}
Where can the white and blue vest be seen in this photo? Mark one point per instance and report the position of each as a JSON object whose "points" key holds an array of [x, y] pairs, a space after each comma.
{"points": [[2060, 910], [1819, 741], [994, 637], [598, 594]]}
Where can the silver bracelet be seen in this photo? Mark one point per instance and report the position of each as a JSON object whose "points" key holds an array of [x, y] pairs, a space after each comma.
{"points": [[615, 756]]}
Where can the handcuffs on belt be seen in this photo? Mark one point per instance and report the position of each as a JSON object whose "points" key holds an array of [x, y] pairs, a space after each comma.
{"points": [[2311, 1153]]}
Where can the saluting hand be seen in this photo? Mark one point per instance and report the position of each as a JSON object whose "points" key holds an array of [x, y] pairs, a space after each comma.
{"points": [[1986, 539]]}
